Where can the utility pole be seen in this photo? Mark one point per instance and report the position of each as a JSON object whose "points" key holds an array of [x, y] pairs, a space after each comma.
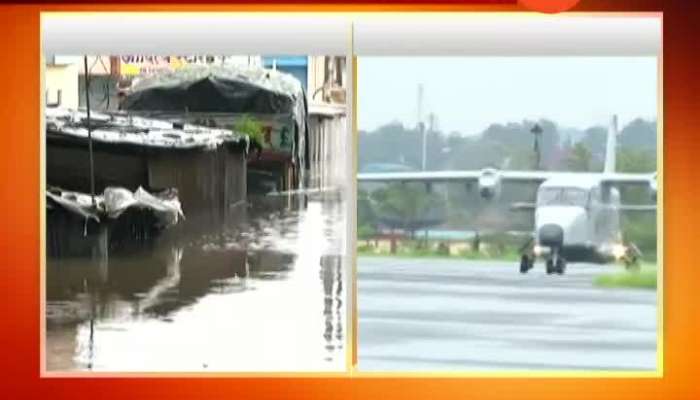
{"points": [[431, 129], [89, 130], [421, 126], [432, 122]]}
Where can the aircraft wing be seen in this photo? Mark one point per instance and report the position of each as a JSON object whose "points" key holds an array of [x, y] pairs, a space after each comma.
{"points": [[637, 208], [523, 206], [460, 176], [628, 178], [421, 176], [512, 176], [527, 176], [489, 177]]}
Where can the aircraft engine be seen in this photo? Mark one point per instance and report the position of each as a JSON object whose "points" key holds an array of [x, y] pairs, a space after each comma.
{"points": [[489, 184]]}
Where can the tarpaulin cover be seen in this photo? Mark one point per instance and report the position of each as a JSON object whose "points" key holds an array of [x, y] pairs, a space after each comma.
{"points": [[218, 88], [211, 94], [114, 201], [224, 89]]}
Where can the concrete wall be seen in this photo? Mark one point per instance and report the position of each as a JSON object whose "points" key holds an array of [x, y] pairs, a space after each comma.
{"points": [[328, 150], [63, 78]]}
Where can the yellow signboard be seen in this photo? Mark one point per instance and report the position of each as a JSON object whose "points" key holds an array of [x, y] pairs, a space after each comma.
{"points": [[145, 64]]}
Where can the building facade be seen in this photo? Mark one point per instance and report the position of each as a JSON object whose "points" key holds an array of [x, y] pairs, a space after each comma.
{"points": [[324, 79]]}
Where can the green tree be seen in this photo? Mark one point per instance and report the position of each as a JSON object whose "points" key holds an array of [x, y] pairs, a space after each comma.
{"points": [[579, 158], [595, 139], [639, 228], [365, 232], [366, 218], [639, 134], [251, 127], [635, 161], [632, 160], [408, 207]]}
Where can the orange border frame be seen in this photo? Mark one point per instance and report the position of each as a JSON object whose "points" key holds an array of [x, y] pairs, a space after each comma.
{"points": [[19, 156]]}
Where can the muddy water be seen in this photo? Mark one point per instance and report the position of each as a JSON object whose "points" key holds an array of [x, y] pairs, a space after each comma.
{"points": [[266, 295]]}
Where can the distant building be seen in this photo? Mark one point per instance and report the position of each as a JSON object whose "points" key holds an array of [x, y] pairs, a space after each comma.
{"points": [[327, 87], [324, 78], [297, 66], [328, 79], [61, 80]]}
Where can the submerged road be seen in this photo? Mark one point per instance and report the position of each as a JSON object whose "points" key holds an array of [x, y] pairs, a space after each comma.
{"points": [[459, 315], [206, 304]]}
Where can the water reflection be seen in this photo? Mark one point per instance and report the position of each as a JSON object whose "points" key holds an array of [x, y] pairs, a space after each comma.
{"points": [[331, 274], [264, 295]]}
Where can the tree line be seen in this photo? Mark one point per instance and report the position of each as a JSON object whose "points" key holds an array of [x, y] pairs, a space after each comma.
{"points": [[509, 145]]}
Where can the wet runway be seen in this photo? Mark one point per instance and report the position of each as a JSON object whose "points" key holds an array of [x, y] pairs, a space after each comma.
{"points": [[439, 314]]}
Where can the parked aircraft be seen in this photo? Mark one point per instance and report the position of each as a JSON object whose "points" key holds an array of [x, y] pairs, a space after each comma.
{"points": [[577, 214]]}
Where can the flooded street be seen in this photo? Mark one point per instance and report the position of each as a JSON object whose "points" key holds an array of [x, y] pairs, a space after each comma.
{"points": [[267, 295]]}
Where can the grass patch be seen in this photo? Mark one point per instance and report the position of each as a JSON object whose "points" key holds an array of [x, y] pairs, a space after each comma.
{"points": [[645, 278], [411, 252]]}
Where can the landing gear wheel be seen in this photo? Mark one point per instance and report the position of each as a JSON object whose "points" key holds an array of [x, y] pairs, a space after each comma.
{"points": [[632, 266], [560, 266], [549, 266], [526, 263], [631, 263]]}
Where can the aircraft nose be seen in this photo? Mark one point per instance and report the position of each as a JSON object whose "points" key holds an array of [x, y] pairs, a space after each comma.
{"points": [[551, 235]]}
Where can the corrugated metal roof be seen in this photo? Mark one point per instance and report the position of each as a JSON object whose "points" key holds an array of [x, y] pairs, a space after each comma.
{"points": [[126, 129]]}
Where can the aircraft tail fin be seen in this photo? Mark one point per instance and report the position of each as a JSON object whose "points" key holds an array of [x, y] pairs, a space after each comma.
{"points": [[611, 146]]}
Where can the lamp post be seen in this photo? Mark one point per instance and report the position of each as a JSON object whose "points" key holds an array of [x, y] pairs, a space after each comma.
{"points": [[537, 131]]}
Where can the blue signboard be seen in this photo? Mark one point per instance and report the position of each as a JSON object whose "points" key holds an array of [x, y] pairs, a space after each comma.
{"points": [[296, 66]]}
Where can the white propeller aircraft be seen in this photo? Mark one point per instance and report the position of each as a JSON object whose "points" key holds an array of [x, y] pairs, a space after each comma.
{"points": [[577, 214]]}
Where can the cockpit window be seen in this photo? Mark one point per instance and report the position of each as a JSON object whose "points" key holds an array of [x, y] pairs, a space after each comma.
{"points": [[552, 196]]}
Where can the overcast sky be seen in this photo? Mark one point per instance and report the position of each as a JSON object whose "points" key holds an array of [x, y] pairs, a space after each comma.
{"points": [[469, 93]]}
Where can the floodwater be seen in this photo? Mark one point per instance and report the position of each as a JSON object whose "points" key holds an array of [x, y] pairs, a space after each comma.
{"points": [[267, 295]]}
